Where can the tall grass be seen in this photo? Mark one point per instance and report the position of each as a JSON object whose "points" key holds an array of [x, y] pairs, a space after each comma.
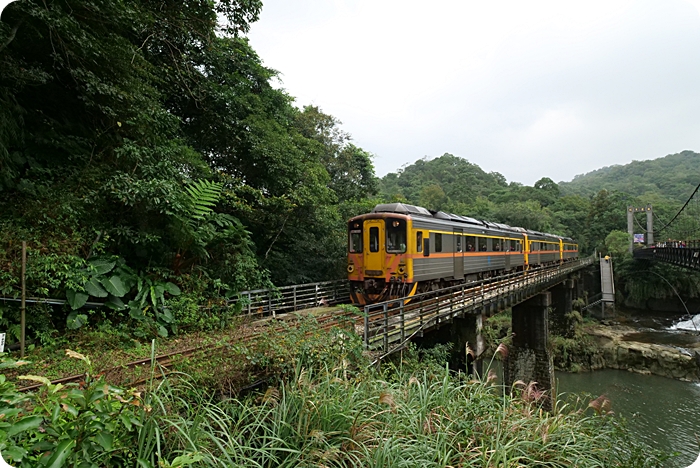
{"points": [[397, 418], [329, 410]]}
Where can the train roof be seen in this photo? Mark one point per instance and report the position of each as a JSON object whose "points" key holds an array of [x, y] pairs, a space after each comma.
{"points": [[402, 208], [412, 210]]}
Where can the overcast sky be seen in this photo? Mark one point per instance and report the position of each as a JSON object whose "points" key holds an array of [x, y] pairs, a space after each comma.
{"points": [[525, 88]]}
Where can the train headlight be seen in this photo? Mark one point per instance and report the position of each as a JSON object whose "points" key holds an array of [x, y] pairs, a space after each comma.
{"points": [[402, 269], [351, 268]]}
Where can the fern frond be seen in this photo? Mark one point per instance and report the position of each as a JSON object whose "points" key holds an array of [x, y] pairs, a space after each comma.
{"points": [[203, 195]]}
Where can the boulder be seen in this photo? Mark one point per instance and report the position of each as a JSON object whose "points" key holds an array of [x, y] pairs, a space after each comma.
{"points": [[644, 358]]}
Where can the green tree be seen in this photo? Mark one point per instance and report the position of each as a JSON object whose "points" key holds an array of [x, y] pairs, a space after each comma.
{"points": [[617, 243], [547, 191], [432, 197], [607, 213]]}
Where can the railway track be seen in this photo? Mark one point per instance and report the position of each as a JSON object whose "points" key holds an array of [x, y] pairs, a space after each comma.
{"points": [[165, 361], [413, 316]]}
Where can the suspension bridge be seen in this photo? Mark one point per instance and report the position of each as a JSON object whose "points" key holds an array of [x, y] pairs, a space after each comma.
{"points": [[676, 242]]}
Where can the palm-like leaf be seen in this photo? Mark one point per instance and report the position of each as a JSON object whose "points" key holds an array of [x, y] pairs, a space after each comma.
{"points": [[203, 195]]}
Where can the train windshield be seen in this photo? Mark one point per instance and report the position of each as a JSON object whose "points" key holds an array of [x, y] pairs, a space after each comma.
{"points": [[355, 237], [355, 241], [395, 235]]}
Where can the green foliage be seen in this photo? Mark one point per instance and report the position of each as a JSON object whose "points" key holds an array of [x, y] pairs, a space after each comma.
{"points": [[617, 243], [331, 411], [460, 181], [671, 178], [398, 418], [203, 196], [643, 280], [152, 134], [68, 425], [574, 354]]}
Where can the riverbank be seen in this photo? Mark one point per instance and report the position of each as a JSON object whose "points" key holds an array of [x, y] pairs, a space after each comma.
{"points": [[618, 349], [633, 342]]}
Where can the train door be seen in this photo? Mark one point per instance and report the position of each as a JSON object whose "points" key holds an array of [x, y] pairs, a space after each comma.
{"points": [[526, 252], [508, 247], [374, 247], [458, 253], [561, 251]]}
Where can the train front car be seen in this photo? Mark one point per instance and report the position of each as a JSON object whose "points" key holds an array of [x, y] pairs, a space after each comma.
{"points": [[379, 256]]}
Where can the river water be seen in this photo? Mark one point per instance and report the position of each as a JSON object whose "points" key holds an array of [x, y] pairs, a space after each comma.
{"points": [[661, 412]]}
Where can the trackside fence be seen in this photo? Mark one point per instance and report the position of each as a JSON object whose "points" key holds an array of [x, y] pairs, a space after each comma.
{"points": [[259, 302], [390, 324], [266, 302]]}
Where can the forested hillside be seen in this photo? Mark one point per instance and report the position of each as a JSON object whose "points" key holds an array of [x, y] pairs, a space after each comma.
{"points": [[591, 209], [144, 153], [673, 177], [587, 208], [453, 184]]}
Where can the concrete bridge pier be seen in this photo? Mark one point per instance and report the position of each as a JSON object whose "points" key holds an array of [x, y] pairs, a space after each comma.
{"points": [[460, 332], [579, 290], [562, 297], [529, 359]]}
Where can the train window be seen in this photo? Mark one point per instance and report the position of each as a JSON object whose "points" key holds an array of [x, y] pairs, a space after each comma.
{"points": [[497, 247], [459, 242], [471, 244], [438, 242], [518, 246], [511, 245], [395, 236], [374, 239], [482, 244], [355, 241], [419, 241]]}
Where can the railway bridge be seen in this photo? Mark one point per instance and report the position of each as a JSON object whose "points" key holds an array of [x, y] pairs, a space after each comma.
{"points": [[457, 312], [461, 310]]}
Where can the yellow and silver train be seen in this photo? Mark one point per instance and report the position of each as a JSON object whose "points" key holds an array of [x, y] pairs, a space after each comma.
{"points": [[399, 249]]}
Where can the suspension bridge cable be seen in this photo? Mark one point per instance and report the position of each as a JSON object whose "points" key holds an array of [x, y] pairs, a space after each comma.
{"points": [[679, 211]]}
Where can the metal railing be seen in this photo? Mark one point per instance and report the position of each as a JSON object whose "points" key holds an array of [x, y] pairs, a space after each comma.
{"points": [[683, 257], [389, 325], [264, 302], [260, 301]]}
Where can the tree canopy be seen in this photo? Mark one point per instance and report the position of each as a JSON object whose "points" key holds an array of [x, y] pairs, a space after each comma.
{"points": [[150, 133]]}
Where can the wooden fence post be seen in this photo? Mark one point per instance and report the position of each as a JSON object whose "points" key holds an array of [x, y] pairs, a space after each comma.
{"points": [[23, 306]]}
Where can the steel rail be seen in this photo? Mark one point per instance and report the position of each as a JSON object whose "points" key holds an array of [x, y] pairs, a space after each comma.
{"points": [[392, 321], [165, 361]]}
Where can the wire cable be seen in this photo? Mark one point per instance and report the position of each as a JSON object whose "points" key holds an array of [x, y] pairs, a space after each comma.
{"points": [[679, 211]]}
